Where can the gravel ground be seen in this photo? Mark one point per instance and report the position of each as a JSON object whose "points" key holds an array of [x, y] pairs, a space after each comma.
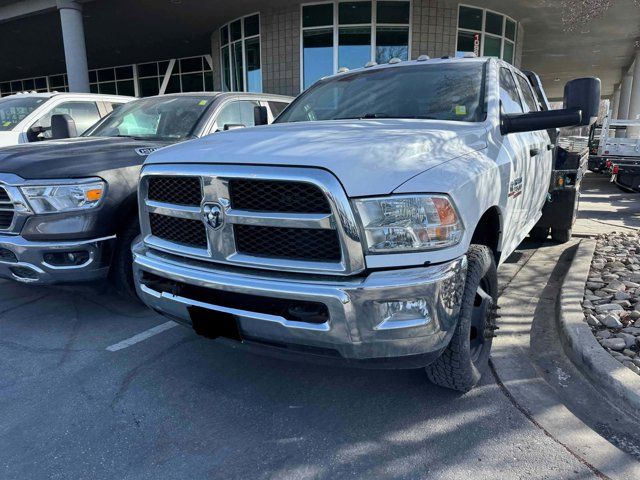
{"points": [[612, 296]]}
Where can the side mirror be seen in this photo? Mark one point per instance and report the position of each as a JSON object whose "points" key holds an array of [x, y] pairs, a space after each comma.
{"points": [[581, 106], [63, 126], [33, 134], [260, 115], [583, 94], [233, 126]]}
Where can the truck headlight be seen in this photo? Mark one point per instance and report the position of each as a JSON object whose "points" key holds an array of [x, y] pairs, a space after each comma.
{"points": [[408, 223], [57, 198]]}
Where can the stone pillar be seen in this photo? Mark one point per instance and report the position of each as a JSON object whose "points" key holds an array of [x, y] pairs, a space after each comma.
{"points": [[634, 102], [625, 96], [615, 103], [75, 53]]}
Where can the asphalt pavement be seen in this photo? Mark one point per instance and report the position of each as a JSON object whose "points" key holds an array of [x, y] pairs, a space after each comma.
{"points": [[88, 391]]}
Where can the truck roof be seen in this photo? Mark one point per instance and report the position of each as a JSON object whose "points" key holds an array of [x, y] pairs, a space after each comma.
{"points": [[422, 60], [66, 94]]}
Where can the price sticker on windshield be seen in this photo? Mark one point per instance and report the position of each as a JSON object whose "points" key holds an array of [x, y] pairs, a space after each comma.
{"points": [[461, 110], [202, 103], [6, 124]]}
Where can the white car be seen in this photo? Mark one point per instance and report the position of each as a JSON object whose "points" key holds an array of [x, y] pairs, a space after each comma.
{"points": [[366, 223], [26, 117]]}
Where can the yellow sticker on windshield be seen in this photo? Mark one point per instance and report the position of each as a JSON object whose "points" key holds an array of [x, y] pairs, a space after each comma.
{"points": [[202, 103], [6, 124], [461, 110]]}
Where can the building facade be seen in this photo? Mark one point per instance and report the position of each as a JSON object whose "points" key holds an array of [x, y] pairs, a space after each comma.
{"points": [[283, 47]]}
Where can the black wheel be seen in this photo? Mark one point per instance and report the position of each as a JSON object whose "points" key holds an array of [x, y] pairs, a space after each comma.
{"points": [[539, 233], [461, 365], [121, 272], [561, 235]]}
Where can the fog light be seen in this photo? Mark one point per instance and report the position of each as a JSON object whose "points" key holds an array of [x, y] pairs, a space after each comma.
{"points": [[66, 259], [404, 314]]}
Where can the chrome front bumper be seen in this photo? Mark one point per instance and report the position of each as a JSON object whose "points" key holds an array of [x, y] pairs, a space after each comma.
{"points": [[24, 261], [357, 328]]}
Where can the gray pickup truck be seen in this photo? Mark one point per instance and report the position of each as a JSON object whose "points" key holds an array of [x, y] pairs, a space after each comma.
{"points": [[68, 209]]}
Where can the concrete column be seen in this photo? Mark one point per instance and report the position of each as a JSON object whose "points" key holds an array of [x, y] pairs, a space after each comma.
{"points": [[625, 96], [615, 103], [634, 102], [75, 53]]}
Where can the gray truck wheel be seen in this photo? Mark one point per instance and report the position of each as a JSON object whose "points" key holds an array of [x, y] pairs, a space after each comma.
{"points": [[539, 233], [121, 272], [561, 235], [462, 363]]}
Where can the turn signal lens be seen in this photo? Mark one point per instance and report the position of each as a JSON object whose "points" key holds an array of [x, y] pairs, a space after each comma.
{"points": [[93, 195]]}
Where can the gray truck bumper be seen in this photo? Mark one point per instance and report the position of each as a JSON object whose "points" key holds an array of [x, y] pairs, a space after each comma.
{"points": [[26, 261], [358, 324]]}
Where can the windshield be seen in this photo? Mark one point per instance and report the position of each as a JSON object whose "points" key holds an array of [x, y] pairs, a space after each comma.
{"points": [[438, 91], [14, 110], [157, 118]]}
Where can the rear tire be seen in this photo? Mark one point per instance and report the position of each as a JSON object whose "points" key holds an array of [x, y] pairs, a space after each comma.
{"points": [[121, 272], [539, 233], [461, 365], [561, 235]]}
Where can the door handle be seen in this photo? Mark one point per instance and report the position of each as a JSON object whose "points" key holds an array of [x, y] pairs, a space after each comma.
{"points": [[534, 152], [549, 146]]}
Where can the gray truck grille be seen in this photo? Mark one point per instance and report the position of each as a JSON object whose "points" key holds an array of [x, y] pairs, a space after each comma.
{"points": [[6, 210], [296, 243], [176, 190], [275, 196], [179, 230], [287, 219]]}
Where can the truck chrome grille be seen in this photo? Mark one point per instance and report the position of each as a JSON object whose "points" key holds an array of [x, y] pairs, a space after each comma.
{"points": [[179, 230], [176, 190], [277, 196], [7, 210], [295, 243], [285, 219]]}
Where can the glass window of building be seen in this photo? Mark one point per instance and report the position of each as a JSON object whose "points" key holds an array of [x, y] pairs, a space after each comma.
{"points": [[348, 34], [486, 33], [241, 65]]}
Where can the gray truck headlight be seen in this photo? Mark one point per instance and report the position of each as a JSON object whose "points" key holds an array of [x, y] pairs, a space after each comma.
{"points": [[62, 197], [408, 223]]}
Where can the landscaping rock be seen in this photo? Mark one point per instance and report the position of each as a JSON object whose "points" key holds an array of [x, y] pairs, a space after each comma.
{"points": [[611, 302], [611, 321], [614, 343]]}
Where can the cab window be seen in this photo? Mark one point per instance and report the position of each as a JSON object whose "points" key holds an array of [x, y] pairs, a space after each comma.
{"points": [[530, 103], [509, 93], [84, 114], [239, 112]]}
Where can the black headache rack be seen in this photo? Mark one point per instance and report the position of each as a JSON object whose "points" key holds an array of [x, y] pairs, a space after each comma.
{"points": [[569, 166]]}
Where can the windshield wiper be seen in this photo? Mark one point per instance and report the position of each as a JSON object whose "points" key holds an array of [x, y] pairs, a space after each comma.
{"points": [[364, 116]]}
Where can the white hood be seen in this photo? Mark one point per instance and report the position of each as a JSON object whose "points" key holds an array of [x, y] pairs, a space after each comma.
{"points": [[9, 138], [369, 157]]}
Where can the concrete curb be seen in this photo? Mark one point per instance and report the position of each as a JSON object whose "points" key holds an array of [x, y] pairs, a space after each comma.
{"points": [[614, 380]]}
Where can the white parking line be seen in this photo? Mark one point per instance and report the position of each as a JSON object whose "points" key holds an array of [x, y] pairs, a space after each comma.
{"points": [[142, 336]]}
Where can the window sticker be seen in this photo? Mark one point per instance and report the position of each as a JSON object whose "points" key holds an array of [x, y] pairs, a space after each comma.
{"points": [[461, 110], [202, 103], [6, 124]]}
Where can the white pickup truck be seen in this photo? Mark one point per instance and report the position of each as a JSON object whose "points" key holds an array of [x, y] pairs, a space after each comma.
{"points": [[365, 224], [26, 117]]}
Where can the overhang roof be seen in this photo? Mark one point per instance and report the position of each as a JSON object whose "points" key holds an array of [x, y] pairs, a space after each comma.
{"points": [[120, 32]]}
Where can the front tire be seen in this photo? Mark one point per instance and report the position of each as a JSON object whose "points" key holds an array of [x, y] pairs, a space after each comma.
{"points": [[461, 365], [561, 235], [539, 233], [121, 272]]}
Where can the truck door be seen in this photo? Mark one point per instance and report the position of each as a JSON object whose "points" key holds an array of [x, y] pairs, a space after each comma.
{"points": [[538, 163], [516, 146]]}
